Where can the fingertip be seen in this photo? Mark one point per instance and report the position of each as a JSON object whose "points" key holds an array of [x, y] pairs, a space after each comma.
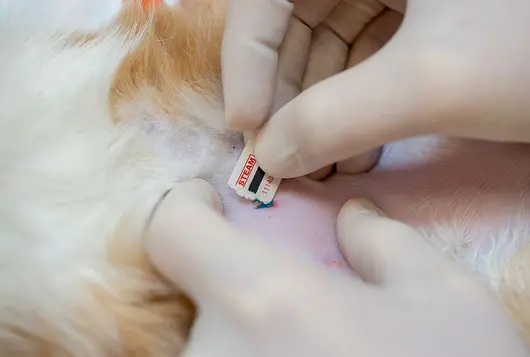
{"points": [[385, 251], [350, 218], [175, 206], [241, 124], [240, 118], [359, 206], [191, 244], [273, 155], [360, 227], [177, 238], [196, 191], [310, 132], [277, 145], [253, 33]]}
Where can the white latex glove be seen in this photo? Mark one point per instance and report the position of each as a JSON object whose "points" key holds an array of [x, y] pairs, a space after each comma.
{"points": [[454, 67], [254, 300]]}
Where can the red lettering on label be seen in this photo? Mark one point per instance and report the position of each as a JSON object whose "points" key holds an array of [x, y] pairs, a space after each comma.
{"points": [[268, 185], [247, 170]]}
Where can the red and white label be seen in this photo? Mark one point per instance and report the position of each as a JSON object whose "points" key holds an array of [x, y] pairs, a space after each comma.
{"points": [[250, 181], [246, 170]]}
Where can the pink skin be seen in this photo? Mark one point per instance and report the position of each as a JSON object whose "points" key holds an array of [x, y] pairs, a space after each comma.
{"points": [[480, 189]]}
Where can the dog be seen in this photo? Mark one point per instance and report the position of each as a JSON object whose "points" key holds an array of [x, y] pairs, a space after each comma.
{"points": [[96, 126]]}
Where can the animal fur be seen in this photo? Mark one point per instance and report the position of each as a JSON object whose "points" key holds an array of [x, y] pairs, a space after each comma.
{"points": [[79, 176]]}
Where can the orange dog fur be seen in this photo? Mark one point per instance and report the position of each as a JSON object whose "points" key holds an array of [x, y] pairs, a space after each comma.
{"points": [[180, 49], [178, 56]]}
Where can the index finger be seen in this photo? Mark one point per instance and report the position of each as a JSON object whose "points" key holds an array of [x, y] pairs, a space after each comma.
{"points": [[254, 30]]}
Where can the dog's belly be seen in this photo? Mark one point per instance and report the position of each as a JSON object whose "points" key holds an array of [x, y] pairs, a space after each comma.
{"points": [[471, 197]]}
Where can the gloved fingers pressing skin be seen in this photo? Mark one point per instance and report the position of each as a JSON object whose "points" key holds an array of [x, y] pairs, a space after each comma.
{"points": [[253, 33], [387, 252], [360, 109], [191, 243]]}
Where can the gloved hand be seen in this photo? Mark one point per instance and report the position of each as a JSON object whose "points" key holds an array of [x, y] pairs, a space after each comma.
{"points": [[454, 67], [254, 300]]}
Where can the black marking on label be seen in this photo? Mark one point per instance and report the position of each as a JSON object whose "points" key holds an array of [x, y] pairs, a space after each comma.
{"points": [[256, 181]]}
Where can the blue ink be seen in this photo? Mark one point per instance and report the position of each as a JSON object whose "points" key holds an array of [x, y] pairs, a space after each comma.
{"points": [[263, 205]]}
